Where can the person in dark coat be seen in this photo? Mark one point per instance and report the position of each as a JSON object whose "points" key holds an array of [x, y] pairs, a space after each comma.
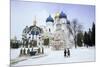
{"points": [[68, 53], [28, 51], [65, 53], [24, 51], [21, 52]]}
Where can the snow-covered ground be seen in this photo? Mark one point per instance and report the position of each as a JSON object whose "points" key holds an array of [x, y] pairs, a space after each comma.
{"points": [[15, 53], [54, 57]]}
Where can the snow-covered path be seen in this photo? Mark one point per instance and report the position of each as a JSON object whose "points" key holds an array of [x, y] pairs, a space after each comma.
{"points": [[53, 57]]}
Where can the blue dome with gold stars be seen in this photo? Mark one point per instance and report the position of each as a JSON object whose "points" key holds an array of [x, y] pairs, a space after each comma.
{"points": [[62, 15], [49, 19]]}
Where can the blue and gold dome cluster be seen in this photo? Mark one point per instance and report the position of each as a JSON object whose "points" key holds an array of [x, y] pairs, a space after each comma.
{"points": [[57, 15]]}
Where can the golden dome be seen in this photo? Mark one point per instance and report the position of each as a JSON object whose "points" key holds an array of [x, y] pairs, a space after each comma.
{"points": [[57, 14]]}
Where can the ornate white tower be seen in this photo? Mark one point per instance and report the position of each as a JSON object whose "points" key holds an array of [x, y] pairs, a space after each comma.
{"points": [[49, 24], [63, 20], [57, 21]]}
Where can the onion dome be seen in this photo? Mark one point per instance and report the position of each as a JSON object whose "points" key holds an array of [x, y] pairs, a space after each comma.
{"points": [[49, 19], [57, 15], [62, 15]]}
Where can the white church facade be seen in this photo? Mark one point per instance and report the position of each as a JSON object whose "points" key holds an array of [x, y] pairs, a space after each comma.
{"points": [[58, 29]]}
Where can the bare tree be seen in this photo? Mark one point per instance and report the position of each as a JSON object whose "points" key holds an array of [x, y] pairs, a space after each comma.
{"points": [[76, 27]]}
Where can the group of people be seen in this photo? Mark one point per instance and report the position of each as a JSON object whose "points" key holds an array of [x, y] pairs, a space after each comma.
{"points": [[66, 53]]}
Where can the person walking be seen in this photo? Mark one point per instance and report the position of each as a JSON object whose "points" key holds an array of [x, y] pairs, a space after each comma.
{"points": [[65, 53], [68, 53]]}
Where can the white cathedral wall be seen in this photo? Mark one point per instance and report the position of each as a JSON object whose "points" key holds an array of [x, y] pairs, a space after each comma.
{"points": [[49, 25], [63, 21], [68, 39]]}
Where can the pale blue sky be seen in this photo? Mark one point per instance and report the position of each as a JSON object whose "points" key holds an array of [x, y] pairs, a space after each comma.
{"points": [[22, 14]]}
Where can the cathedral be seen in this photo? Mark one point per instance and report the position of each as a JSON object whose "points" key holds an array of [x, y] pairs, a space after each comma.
{"points": [[59, 29]]}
